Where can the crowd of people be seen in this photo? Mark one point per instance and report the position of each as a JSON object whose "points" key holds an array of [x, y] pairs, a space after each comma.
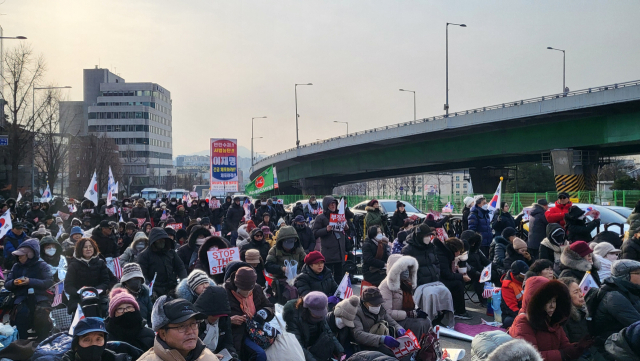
{"points": [[154, 290]]}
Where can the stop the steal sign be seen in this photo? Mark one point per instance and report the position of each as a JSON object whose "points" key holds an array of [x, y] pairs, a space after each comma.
{"points": [[218, 259]]}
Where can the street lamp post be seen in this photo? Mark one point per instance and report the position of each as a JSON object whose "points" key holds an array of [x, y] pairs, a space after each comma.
{"points": [[347, 123], [414, 101], [297, 116], [446, 106], [33, 114], [564, 63], [252, 136], [2, 54]]}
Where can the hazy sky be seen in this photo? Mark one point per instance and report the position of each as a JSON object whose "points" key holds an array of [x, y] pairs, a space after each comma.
{"points": [[227, 61]]}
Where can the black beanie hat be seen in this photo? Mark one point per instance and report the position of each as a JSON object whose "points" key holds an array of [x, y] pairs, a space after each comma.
{"points": [[508, 232]]}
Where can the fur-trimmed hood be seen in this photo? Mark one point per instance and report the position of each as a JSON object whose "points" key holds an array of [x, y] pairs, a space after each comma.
{"points": [[197, 231], [371, 209], [571, 259], [396, 264], [537, 316], [516, 349]]}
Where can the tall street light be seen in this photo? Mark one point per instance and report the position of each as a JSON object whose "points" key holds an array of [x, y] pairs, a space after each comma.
{"points": [[33, 112], [297, 115], [347, 123], [414, 101], [252, 136], [446, 106], [2, 59], [563, 66]]}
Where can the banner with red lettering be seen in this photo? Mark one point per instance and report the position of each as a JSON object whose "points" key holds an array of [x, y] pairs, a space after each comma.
{"points": [[223, 166], [219, 258], [175, 226], [338, 220]]}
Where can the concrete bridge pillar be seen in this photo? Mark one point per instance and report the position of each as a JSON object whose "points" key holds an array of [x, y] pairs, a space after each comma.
{"points": [[319, 187], [575, 170]]}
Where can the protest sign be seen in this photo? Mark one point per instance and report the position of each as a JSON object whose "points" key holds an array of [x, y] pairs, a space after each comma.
{"points": [[408, 344], [219, 258], [214, 204], [338, 221], [175, 226]]}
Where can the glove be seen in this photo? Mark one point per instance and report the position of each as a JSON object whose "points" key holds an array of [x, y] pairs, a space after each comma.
{"points": [[391, 342], [333, 300], [421, 314], [261, 316], [400, 332], [411, 314]]}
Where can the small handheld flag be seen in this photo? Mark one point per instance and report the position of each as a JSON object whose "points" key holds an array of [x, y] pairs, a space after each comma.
{"points": [[587, 283], [344, 290], [485, 276]]}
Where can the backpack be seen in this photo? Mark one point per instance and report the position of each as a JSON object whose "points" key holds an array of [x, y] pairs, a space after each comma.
{"points": [[429, 347]]}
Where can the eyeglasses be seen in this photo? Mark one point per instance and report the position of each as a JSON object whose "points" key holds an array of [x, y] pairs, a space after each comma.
{"points": [[190, 326], [122, 310]]}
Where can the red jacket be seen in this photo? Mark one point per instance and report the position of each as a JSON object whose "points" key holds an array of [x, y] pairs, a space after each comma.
{"points": [[549, 343], [512, 292], [556, 214]]}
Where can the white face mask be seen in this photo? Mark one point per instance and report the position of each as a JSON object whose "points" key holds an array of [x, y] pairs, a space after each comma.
{"points": [[427, 239], [339, 324], [200, 241], [379, 236], [485, 207], [611, 257], [50, 251], [375, 310]]}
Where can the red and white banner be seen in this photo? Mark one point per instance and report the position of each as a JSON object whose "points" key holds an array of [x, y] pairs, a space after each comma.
{"points": [[219, 258], [408, 344], [223, 166], [175, 226]]}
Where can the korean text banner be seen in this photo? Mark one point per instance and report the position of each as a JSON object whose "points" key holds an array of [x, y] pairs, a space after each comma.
{"points": [[263, 183], [224, 166]]}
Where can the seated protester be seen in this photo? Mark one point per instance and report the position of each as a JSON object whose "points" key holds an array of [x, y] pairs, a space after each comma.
{"points": [[176, 323], [375, 253], [266, 222], [11, 241], [606, 254], [578, 259], [619, 304], [51, 253], [181, 237], [631, 247], [90, 343], [552, 246], [132, 281], [253, 258], [69, 245], [542, 268], [517, 251], [210, 244], [50, 224], [87, 223], [373, 324], [243, 235], [316, 277], [498, 249], [105, 239], [547, 308], [247, 301], [398, 243], [30, 272], [205, 222], [172, 234], [287, 248], [188, 253], [576, 326], [397, 292], [624, 344], [305, 318], [191, 288], [577, 228], [340, 321], [256, 242], [128, 236], [139, 243], [447, 251], [485, 343], [160, 259], [305, 234], [512, 292], [476, 262], [125, 322], [215, 332], [269, 237], [40, 233], [86, 269]]}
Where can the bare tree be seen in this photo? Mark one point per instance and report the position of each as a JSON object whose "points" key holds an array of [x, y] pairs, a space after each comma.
{"points": [[94, 153]]}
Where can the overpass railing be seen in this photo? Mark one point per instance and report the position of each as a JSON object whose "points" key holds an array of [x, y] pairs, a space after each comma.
{"points": [[470, 111]]}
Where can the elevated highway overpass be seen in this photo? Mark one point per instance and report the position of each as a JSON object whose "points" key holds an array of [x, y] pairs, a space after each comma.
{"points": [[575, 128]]}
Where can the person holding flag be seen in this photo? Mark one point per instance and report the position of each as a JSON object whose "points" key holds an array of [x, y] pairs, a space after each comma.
{"points": [[13, 235], [52, 255], [480, 221]]}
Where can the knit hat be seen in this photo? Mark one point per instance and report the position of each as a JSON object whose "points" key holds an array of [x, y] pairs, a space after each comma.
{"points": [[399, 204], [119, 296], [423, 230], [131, 270], [543, 202], [581, 248], [252, 256], [347, 309], [316, 302], [197, 278], [250, 226], [508, 232], [205, 221], [469, 201], [287, 232], [373, 296], [575, 212], [75, 230], [265, 230], [604, 248], [245, 278], [313, 258], [299, 219], [519, 244], [519, 267], [622, 268]]}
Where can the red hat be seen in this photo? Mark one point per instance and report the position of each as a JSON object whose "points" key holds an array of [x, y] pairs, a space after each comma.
{"points": [[250, 226], [581, 248], [372, 202], [313, 258]]}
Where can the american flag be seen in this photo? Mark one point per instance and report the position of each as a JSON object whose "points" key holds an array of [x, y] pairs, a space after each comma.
{"points": [[57, 298], [489, 290], [344, 290], [117, 270]]}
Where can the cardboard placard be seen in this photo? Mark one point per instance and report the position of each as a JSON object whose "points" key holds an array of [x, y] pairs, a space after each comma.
{"points": [[408, 344], [141, 222], [175, 226], [214, 204], [219, 258]]}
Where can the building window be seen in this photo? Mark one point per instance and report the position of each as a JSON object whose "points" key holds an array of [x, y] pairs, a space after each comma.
{"points": [[457, 178], [464, 185], [457, 192], [457, 185]]}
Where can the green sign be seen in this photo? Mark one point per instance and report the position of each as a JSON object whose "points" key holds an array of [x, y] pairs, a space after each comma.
{"points": [[266, 181]]}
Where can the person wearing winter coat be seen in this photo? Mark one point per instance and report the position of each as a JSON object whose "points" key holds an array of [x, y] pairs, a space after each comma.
{"points": [[130, 255], [256, 242], [373, 216], [314, 276], [547, 309], [266, 222], [287, 248], [86, 269], [224, 207], [552, 246], [517, 251], [105, 239], [577, 228], [181, 216], [11, 241], [35, 214], [455, 281], [420, 245], [235, 213], [50, 224], [397, 291], [90, 343], [51, 253], [312, 208], [631, 247], [373, 325], [160, 259], [468, 203], [210, 244], [484, 343], [398, 243], [479, 222], [132, 281], [140, 211], [256, 261], [556, 214], [397, 220], [127, 236], [503, 219], [515, 350], [624, 344], [375, 253], [476, 262], [305, 234], [576, 326], [125, 322], [606, 254], [634, 220], [340, 321], [305, 318], [193, 286], [577, 259], [30, 272], [512, 292], [203, 210], [333, 246], [188, 252], [215, 332]]}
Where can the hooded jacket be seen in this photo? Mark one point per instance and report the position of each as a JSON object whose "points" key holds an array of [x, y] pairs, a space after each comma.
{"points": [[513, 255], [428, 262], [549, 249], [372, 218], [57, 263], [620, 346], [537, 226], [333, 246], [140, 211], [139, 336], [390, 286], [106, 244], [36, 270], [308, 281], [203, 210], [164, 262], [479, 221], [203, 258], [572, 265], [446, 258], [498, 252], [297, 210], [234, 215], [373, 269], [277, 255], [365, 320], [502, 220], [579, 229], [131, 254], [161, 352], [630, 248], [80, 273], [262, 246], [188, 252], [307, 240], [11, 242], [556, 214], [214, 301], [476, 260], [34, 216], [512, 294], [484, 343]]}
